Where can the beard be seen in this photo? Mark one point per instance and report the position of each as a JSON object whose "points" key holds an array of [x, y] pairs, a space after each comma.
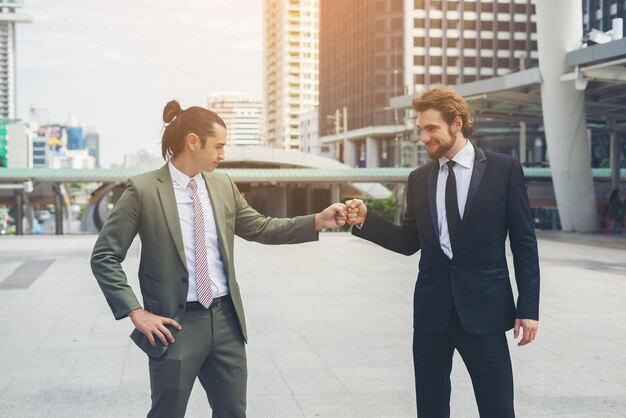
{"points": [[443, 148]]}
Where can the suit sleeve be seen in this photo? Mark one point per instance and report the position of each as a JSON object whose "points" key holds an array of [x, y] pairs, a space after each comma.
{"points": [[110, 250], [254, 226], [523, 245], [403, 238]]}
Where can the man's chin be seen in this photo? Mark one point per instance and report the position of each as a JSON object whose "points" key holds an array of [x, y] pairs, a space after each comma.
{"points": [[435, 155]]}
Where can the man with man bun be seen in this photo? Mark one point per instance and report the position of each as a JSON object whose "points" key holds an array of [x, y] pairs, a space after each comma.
{"points": [[191, 323]]}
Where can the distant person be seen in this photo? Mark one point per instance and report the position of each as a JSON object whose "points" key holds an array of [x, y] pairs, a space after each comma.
{"points": [[615, 210], [191, 323], [460, 209]]}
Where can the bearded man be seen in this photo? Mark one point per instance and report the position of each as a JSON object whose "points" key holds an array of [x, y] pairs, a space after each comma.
{"points": [[459, 210]]}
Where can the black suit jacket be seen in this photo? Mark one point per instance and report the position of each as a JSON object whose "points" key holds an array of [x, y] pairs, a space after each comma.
{"points": [[476, 280]]}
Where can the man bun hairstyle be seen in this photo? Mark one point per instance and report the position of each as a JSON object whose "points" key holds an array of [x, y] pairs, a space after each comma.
{"points": [[172, 109], [447, 101], [179, 123]]}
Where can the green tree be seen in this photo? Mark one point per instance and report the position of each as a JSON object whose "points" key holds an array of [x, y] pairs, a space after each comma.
{"points": [[384, 207]]}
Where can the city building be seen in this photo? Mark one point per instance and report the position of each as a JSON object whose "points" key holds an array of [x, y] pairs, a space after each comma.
{"points": [[599, 14], [242, 114], [291, 68], [72, 158], [309, 135], [142, 159], [361, 68], [41, 149], [8, 19], [92, 144], [373, 51], [19, 146]]}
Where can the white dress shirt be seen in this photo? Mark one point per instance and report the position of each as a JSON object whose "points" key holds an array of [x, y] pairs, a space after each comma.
{"points": [[219, 283], [463, 173]]}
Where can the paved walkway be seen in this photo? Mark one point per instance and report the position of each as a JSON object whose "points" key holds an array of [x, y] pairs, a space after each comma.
{"points": [[330, 333]]}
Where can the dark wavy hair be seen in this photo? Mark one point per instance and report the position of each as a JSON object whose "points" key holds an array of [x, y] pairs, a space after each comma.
{"points": [[450, 103], [179, 123]]}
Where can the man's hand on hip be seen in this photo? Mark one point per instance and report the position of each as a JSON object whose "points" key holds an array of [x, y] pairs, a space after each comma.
{"points": [[152, 325], [529, 327]]}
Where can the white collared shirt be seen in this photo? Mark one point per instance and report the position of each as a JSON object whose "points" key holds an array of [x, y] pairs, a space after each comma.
{"points": [[463, 173], [219, 283]]}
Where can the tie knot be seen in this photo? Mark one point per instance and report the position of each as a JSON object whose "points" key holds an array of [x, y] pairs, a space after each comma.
{"points": [[192, 185], [451, 164]]}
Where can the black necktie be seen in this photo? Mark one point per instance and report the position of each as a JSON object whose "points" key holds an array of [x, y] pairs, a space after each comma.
{"points": [[452, 205]]}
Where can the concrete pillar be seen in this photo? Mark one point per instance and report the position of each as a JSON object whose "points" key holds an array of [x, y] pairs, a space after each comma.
{"points": [[349, 154], [400, 200], [335, 192], [558, 32], [372, 149], [58, 212], [522, 142], [30, 217], [616, 160], [289, 197], [309, 198], [274, 200], [19, 212], [538, 150]]}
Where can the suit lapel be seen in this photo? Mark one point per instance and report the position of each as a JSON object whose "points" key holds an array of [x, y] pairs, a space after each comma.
{"points": [[480, 162], [218, 212], [168, 203], [432, 196]]}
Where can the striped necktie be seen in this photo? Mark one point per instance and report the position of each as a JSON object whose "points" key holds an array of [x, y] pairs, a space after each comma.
{"points": [[203, 281]]}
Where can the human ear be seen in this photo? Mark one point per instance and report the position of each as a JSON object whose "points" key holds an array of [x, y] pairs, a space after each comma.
{"points": [[191, 141]]}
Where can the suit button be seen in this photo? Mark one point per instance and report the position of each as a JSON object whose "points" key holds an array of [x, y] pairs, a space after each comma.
{"points": [[185, 280], [453, 267], [181, 306]]}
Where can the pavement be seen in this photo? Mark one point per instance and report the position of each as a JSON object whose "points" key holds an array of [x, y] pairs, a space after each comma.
{"points": [[329, 329]]}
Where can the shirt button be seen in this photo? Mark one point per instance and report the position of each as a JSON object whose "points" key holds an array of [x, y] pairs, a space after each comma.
{"points": [[181, 306]]}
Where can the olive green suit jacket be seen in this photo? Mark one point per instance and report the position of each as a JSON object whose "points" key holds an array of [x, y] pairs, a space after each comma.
{"points": [[148, 208]]}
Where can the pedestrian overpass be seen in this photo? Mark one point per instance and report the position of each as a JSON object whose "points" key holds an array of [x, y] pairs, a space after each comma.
{"points": [[273, 191]]}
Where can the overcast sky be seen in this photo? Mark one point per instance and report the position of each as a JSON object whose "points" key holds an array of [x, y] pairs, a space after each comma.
{"points": [[116, 63]]}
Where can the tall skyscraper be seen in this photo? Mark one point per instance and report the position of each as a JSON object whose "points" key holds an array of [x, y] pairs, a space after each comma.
{"points": [[92, 144], [291, 64], [361, 68], [455, 42], [372, 51], [598, 14], [242, 115], [8, 19]]}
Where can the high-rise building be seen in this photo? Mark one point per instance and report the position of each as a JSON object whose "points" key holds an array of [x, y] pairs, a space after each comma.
{"points": [[309, 135], [372, 51], [361, 68], [599, 14], [455, 42], [75, 159], [291, 64], [8, 19], [92, 144], [242, 114], [19, 146]]}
